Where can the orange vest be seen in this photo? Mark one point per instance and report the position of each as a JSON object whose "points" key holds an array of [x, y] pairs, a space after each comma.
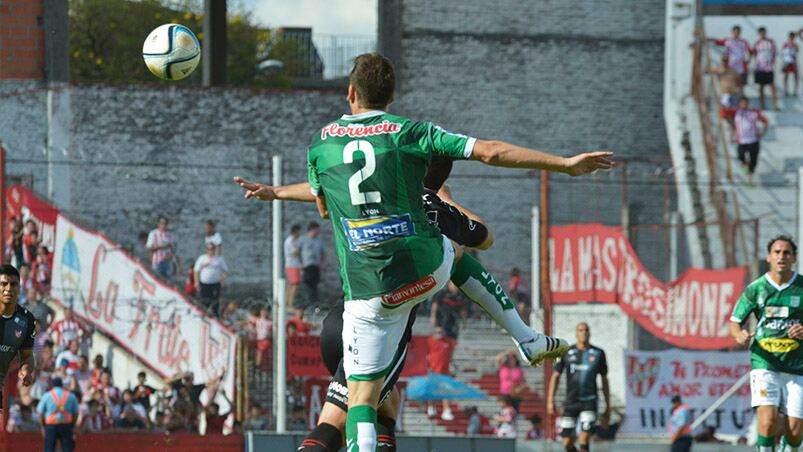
{"points": [[66, 418], [684, 429]]}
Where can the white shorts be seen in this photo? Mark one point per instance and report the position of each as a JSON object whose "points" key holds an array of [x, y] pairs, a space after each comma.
{"points": [[373, 328], [779, 389]]}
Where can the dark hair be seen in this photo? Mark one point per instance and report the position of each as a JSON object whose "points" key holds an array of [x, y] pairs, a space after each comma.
{"points": [[374, 79], [736, 27], [437, 173], [295, 228], [211, 223], [792, 34], [313, 225], [762, 30], [535, 419], [506, 399], [9, 270], [56, 382], [782, 237], [675, 399], [141, 374]]}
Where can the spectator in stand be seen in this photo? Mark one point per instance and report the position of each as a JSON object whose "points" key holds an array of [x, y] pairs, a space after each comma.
{"points": [[214, 419], [297, 422], [163, 249], [738, 51], [211, 272], [15, 241], [58, 412], [158, 425], [97, 370], [680, 426], [511, 377], [83, 375], [474, 421], [143, 392], [69, 359], [292, 263], [41, 270], [297, 326], [109, 393], [516, 287], [67, 329], [765, 51], [607, 430], [256, 419], [311, 257], [94, 419], [748, 136], [536, 430], [730, 89], [440, 348], [448, 307], [506, 419], [234, 317], [45, 366], [211, 236], [30, 241], [25, 422], [43, 313], [129, 414], [789, 64], [263, 327], [26, 284]]}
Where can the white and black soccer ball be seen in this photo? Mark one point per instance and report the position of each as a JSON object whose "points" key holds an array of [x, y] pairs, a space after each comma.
{"points": [[171, 51]]}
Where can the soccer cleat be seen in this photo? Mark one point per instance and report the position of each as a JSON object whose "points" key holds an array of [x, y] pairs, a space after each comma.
{"points": [[543, 347]]}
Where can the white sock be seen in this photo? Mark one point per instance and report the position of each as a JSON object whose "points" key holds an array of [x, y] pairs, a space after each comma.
{"points": [[492, 298]]}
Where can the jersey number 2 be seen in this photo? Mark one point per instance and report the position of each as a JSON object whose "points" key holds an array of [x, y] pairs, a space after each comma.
{"points": [[358, 197]]}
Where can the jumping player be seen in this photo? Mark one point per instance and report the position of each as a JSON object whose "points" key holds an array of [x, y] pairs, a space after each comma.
{"points": [[776, 378], [366, 171], [17, 329]]}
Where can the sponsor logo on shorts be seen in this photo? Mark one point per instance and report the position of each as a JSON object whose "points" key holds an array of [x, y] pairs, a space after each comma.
{"points": [[763, 392], [359, 130], [7, 348], [779, 345], [369, 232], [409, 291]]}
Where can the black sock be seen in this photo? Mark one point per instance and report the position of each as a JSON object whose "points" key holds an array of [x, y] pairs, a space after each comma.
{"points": [[385, 434], [585, 447], [323, 438]]}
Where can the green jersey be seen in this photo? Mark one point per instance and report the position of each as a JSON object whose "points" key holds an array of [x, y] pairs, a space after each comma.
{"points": [[370, 169], [777, 308]]}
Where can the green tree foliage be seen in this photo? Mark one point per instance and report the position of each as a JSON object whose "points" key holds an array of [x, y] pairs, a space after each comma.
{"points": [[106, 39]]}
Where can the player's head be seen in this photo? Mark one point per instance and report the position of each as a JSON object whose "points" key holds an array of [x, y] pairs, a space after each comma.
{"points": [[736, 31], [582, 332], [437, 173], [372, 82], [9, 284], [781, 254]]}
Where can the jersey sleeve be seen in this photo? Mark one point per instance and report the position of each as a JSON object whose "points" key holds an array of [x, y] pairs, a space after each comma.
{"points": [[443, 143], [745, 305], [558, 366], [30, 335], [603, 363], [312, 176]]}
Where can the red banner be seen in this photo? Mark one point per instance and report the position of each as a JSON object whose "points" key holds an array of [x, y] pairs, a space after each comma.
{"points": [[596, 263], [22, 202], [304, 357]]}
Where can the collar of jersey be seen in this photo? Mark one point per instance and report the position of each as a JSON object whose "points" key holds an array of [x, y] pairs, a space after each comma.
{"points": [[776, 286], [367, 114]]}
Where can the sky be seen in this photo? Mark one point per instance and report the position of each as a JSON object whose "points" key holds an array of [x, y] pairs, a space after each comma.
{"points": [[331, 17]]}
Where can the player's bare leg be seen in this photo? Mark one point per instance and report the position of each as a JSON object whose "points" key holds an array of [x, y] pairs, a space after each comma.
{"points": [[794, 434], [767, 420]]}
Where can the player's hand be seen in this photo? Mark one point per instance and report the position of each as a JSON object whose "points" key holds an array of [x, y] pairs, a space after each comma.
{"points": [[795, 332], [261, 192], [25, 376], [588, 163], [743, 337]]}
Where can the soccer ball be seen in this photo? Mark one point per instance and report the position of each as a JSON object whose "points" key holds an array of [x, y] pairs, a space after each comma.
{"points": [[171, 51]]}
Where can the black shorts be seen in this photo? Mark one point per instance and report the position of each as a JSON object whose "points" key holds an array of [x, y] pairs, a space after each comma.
{"points": [[582, 413], [764, 78], [332, 352], [453, 223]]}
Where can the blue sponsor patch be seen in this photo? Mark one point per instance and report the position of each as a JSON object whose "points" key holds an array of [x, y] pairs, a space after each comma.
{"points": [[369, 232]]}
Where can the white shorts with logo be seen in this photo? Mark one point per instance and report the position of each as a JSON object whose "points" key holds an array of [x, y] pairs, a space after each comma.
{"points": [[373, 328], [780, 389]]}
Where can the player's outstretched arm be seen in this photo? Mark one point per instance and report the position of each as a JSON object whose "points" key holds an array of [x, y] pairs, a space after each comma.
{"points": [[263, 192], [499, 153], [739, 334]]}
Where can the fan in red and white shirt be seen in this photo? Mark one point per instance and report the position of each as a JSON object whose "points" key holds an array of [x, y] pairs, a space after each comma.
{"points": [[789, 63], [94, 419], [263, 329], [66, 330], [69, 359], [748, 134], [765, 51], [163, 249], [738, 51]]}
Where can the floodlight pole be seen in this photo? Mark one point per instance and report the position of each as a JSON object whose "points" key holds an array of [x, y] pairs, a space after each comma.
{"points": [[279, 307]]}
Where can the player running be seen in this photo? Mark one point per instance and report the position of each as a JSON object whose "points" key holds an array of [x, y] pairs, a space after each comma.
{"points": [[17, 329], [776, 378], [366, 171]]}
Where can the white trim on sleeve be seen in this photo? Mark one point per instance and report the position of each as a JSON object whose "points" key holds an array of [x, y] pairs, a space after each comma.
{"points": [[469, 149], [736, 319], [314, 191]]}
